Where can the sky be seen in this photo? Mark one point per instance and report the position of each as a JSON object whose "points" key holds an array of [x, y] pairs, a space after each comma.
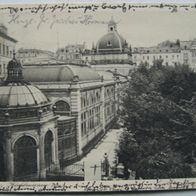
{"points": [[145, 27]]}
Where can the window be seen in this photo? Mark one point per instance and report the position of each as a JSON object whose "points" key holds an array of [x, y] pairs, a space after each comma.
{"points": [[109, 43], [62, 106]]}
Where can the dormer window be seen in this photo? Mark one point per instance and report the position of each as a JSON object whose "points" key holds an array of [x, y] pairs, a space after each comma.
{"points": [[109, 43]]}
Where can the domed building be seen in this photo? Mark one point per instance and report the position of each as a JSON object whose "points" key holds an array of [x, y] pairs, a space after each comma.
{"points": [[111, 52], [112, 42], [28, 134]]}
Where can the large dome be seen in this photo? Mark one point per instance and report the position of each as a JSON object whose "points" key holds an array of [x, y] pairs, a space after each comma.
{"points": [[16, 92], [20, 96], [111, 41]]}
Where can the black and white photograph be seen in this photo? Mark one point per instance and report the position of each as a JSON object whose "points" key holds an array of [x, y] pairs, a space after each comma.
{"points": [[98, 93]]}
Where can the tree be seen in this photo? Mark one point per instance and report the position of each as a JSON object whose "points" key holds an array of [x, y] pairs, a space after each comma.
{"points": [[159, 135]]}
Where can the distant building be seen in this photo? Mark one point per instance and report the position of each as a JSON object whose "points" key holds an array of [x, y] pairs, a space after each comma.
{"points": [[71, 54], [171, 53], [167, 51], [111, 52], [7, 46], [188, 53], [35, 56]]}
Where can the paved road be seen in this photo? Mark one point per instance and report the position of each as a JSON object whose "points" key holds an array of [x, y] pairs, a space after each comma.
{"points": [[108, 144]]}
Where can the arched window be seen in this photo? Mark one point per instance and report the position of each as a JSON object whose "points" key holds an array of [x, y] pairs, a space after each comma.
{"points": [[62, 106], [25, 158], [48, 148]]}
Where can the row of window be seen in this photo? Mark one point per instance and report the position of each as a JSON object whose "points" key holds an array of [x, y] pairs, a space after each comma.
{"points": [[89, 98], [109, 111], [16, 114], [154, 57], [5, 51], [90, 119], [27, 54]]}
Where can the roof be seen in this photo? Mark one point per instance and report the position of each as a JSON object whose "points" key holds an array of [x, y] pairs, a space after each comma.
{"points": [[59, 73], [111, 41], [156, 49], [21, 95], [106, 75], [5, 36]]}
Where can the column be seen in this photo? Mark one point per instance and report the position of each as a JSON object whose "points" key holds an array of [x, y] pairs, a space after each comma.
{"points": [[38, 162], [42, 172], [102, 112], [55, 159], [9, 158], [76, 111]]}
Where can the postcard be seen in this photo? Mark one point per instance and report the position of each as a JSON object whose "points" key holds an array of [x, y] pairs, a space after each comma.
{"points": [[97, 97]]}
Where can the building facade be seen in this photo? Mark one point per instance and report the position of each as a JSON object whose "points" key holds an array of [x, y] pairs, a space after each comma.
{"points": [[111, 52], [71, 53], [35, 56], [170, 53], [28, 129], [7, 46], [85, 100]]}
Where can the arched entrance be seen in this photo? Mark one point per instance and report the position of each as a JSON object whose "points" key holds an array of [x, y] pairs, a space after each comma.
{"points": [[48, 149], [25, 158]]}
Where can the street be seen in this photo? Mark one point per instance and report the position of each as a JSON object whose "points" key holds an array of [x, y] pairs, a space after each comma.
{"points": [[107, 144]]}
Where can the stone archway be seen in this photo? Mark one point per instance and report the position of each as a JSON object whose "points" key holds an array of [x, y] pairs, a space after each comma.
{"points": [[48, 150], [25, 158]]}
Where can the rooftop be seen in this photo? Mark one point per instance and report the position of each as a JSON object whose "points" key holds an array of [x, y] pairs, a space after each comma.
{"points": [[59, 73], [5, 36]]}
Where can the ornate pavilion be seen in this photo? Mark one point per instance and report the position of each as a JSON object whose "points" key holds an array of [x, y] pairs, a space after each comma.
{"points": [[28, 129]]}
